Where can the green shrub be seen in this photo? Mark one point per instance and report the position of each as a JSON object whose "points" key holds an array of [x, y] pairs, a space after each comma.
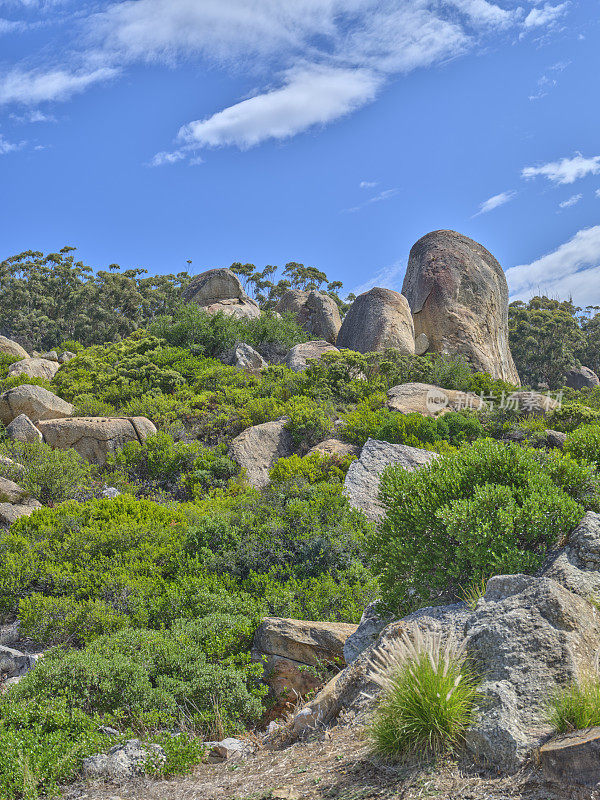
{"points": [[309, 422], [49, 475], [148, 678], [584, 444], [313, 468], [428, 700], [486, 508], [576, 707], [571, 415]]}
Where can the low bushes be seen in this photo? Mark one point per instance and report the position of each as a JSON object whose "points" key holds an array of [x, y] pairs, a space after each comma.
{"points": [[584, 443], [487, 508]]}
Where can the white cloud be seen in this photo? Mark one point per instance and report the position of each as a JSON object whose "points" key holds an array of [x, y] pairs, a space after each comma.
{"points": [[495, 201], [160, 159], [310, 96], [33, 115], [547, 15], [35, 86], [369, 184], [386, 278], [8, 147], [597, 193], [572, 265], [387, 194], [572, 201], [567, 170]]}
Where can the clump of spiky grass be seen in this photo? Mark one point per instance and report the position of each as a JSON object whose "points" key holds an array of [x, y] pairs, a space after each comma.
{"points": [[429, 695], [575, 707]]}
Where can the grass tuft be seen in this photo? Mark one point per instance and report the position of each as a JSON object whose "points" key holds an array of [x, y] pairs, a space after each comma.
{"points": [[576, 707], [429, 696]]}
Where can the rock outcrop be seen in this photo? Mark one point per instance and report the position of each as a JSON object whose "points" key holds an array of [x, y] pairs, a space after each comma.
{"points": [[258, 448], [300, 355], [430, 400], [361, 485], [297, 654], [34, 368], [376, 320], [581, 378], [34, 401], [245, 357], [532, 403], [316, 312], [458, 296], [10, 348], [220, 290], [15, 502], [95, 437], [123, 761], [22, 429]]}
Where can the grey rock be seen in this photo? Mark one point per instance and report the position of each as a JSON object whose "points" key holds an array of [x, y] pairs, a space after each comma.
{"points": [[376, 320], [573, 757], [67, 356], [22, 429], [577, 565], [230, 750], [123, 761], [528, 638], [220, 290], [366, 635], [258, 448], [533, 403], [361, 485], [555, 438], [34, 368], [246, 357], [430, 400], [108, 731], [335, 447], [316, 312], [51, 355], [14, 664], [300, 355], [10, 348], [581, 378], [11, 512], [34, 401], [458, 296], [11, 492], [110, 492]]}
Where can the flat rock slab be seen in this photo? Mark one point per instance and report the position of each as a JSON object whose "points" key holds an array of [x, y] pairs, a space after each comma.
{"points": [[95, 437], [430, 400], [573, 757], [361, 486]]}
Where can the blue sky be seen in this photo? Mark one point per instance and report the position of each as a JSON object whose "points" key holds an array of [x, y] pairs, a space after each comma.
{"points": [[330, 132]]}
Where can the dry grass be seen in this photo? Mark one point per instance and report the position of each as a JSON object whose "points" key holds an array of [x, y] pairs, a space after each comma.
{"points": [[338, 765]]}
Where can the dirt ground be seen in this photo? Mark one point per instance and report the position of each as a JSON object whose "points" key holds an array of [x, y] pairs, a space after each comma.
{"points": [[336, 765]]}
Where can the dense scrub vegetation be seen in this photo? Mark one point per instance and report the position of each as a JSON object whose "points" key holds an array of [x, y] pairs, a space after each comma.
{"points": [[149, 600]]}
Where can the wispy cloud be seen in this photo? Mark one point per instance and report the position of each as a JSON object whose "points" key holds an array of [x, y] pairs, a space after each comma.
{"points": [[32, 116], [546, 15], [387, 278], [160, 159], [309, 97], [573, 268], [9, 147], [367, 184], [567, 170], [571, 201], [495, 201], [38, 86], [387, 194], [597, 193]]}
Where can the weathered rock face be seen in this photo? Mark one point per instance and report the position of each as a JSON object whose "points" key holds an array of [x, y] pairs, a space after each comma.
{"points": [[573, 757], [220, 290], [361, 485], [316, 312], [258, 448], [458, 296], [95, 437], [581, 378], [11, 492], [246, 358], [376, 320], [11, 512], [298, 653], [366, 635], [528, 636], [300, 355], [430, 400], [22, 429], [34, 401], [123, 761], [34, 368], [10, 348]]}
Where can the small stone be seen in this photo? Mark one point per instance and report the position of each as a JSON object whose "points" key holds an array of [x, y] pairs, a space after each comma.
{"points": [[110, 493], [230, 749], [123, 761], [22, 429]]}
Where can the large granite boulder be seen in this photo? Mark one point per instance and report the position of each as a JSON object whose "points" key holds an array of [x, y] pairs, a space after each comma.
{"points": [[220, 290], [95, 437], [297, 654], [22, 429], [361, 485], [376, 320], [316, 312], [258, 448], [34, 368], [458, 296], [300, 355], [430, 400], [34, 401], [10, 348], [581, 378]]}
